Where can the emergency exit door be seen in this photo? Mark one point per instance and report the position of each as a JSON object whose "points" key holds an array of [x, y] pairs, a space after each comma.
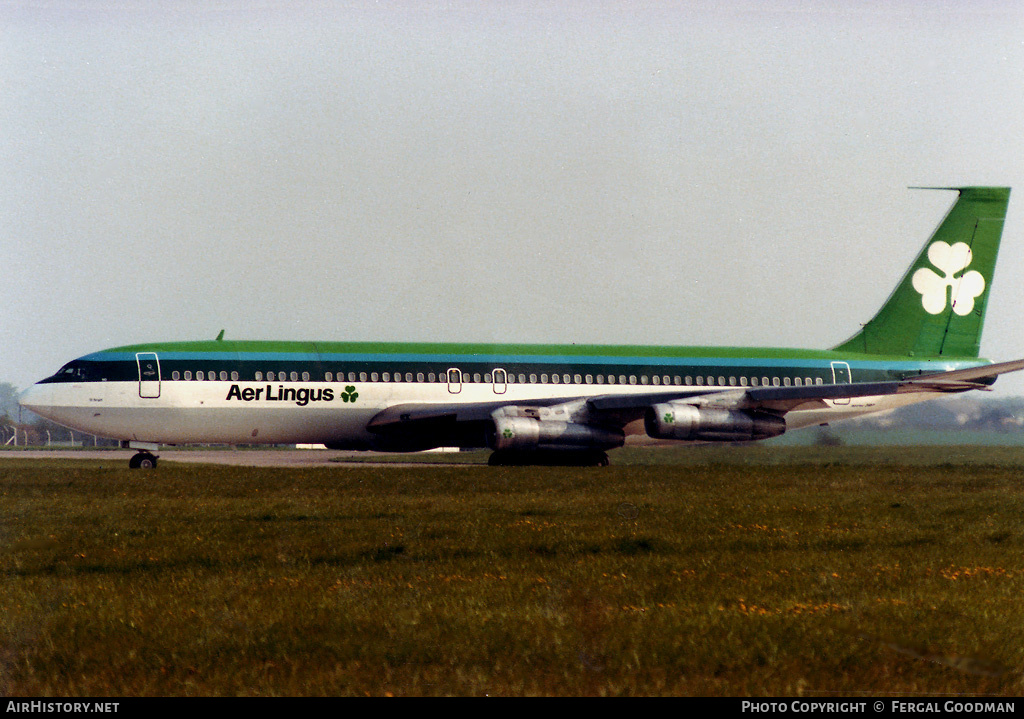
{"points": [[149, 374]]}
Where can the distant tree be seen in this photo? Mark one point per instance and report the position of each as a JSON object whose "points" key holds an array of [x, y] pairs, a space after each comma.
{"points": [[827, 438], [8, 400], [8, 411]]}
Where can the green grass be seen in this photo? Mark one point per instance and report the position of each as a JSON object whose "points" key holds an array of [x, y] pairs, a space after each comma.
{"points": [[741, 571]]}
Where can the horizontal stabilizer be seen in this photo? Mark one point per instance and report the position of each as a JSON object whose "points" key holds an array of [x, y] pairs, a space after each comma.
{"points": [[973, 373]]}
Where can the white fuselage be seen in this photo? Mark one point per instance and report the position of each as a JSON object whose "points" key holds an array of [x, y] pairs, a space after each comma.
{"points": [[265, 412]]}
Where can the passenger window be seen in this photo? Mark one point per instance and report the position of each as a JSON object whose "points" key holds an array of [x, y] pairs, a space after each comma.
{"points": [[689, 380], [743, 381], [328, 376], [408, 376], [775, 381], [798, 381], [644, 379], [351, 376], [600, 379], [476, 377], [700, 381], [223, 376], [554, 379], [175, 375], [234, 376], [419, 376], [765, 381], [188, 374], [817, 380], [785, 381], [373, 376], [200, 375]]}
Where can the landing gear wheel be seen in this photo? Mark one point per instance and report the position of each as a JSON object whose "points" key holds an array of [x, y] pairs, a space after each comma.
{"points": [[143, 460], [499, 459]]}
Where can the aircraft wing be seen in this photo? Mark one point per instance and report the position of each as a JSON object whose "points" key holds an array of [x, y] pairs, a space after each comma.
{"points": [[460, 421], [786, 399]]}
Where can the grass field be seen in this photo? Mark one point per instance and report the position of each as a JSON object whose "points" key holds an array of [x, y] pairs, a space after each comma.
{"points": [[726, 571]]}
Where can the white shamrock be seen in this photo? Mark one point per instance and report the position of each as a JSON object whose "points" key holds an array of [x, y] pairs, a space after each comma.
{"points": [[932, 287]]}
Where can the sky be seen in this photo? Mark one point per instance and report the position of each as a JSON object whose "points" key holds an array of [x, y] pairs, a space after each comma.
{"points": [[688, 173]]}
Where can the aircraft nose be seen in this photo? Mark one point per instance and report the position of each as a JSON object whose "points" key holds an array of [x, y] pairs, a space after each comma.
{"points": [[36, 397]]}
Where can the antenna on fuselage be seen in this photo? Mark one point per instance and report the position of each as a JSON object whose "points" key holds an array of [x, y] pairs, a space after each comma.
{"points": [[220, 336]]}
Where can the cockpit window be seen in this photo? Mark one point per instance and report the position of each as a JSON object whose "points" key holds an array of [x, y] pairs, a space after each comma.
{"points": [[72, 372]]}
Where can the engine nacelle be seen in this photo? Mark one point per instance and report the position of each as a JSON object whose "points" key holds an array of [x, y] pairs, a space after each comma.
{"points": [[684, 421], [526, 433]]}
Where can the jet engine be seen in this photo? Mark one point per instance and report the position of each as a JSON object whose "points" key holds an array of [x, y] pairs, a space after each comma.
{"points": [[687, 422], [526, 433]]}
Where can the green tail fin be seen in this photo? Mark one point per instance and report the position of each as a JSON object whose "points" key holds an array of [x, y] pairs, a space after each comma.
{"points": [[939, 307]]}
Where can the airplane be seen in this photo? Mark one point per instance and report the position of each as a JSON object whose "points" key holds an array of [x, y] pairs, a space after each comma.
{"points": [[542, 404]]}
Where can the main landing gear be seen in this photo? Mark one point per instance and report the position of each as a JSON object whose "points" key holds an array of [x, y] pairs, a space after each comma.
{"points": [[143, 460]]}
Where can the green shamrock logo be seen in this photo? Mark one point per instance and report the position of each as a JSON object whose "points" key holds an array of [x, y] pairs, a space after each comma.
{"points": [[350, 394], [669, 418], [508, 433]]}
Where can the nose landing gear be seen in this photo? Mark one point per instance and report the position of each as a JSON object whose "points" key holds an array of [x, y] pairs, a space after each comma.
{"points": [[143, 460]]}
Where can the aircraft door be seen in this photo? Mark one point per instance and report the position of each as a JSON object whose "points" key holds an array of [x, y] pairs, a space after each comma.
{"points": [[841, 375], [500, 380], [454, 380], [149, 374]]}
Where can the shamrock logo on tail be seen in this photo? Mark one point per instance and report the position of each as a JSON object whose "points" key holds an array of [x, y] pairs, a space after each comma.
{"points": [[350, 394], [950, 260]]}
